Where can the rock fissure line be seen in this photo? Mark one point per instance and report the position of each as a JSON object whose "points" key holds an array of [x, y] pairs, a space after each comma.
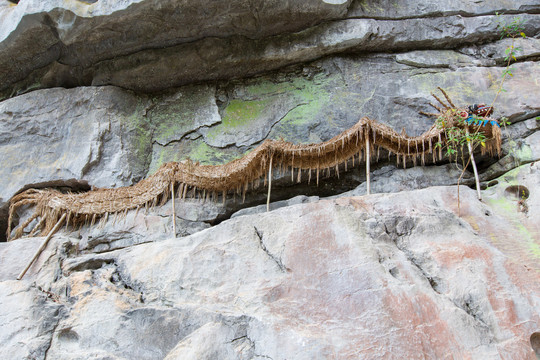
{"points": [[49, 295], [59, 317], [519, 59], [443, 14], [514, 166], [106, 251], [263, 356], [173, 141], [118, 279], [85, 72], [403, 229], [469, 307], [242, 337], [285, 115], [276, 259], [191, 179]]}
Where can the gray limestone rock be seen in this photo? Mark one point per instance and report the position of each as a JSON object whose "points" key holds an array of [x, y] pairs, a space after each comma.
{"points": [[133, 135], [55, 43], [29, 320], [237, 57], [76, 44], [60, 134], [429, 8], [390, 179], [300, 199], [70, 139], [183, 112], [406, 272], [315, 280], [521, 147]]}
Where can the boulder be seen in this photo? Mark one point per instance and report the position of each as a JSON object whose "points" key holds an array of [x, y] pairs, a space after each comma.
{"points": [[354, 277]]}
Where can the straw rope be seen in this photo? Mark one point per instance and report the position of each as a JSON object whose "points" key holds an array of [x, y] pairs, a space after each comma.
{"points": [[238, 176]]}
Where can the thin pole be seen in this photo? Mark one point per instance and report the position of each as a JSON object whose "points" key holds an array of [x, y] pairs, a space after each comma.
{"points": [[173, 211], [42, 247], [368, 185], [269, 184], [476, 178]]}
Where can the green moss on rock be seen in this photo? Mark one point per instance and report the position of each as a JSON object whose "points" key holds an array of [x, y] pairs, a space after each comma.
{"points": [[208, 155], [195, 150], [240, 112], [313, 98]]}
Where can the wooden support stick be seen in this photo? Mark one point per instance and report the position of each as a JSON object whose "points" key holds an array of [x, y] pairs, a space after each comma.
{"points": [[368, 185], [173, 211], [269, 185], [476, 178], [42, 247]]}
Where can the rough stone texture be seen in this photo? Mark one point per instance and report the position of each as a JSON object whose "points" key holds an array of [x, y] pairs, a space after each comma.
{"points": [[384, 276], [307, 108], [521, 147], [57, 42], [217, 123], [28, 325], [69, 43], [83, 133], [71, 138], [301, 199], [389, 179], [317, 101], [236, 57], [393, 275], [413, 8]]}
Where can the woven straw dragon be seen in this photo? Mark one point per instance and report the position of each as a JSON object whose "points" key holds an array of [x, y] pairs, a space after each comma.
{"points": [[212, 181]]}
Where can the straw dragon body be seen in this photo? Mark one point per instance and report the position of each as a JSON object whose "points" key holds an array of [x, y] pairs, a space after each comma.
{"points": [[188, 178]]}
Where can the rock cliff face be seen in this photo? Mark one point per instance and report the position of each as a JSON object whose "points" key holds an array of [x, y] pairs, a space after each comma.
{"points": [[102, 93]]}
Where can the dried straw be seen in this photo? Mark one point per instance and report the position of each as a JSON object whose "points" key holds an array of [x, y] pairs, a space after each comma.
{"points": [[236, 176]]}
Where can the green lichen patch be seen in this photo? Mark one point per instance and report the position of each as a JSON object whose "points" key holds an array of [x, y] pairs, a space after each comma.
{"points": [[313, 99], [524, 240], [265, 87], [182, 112], [284, 106], [208, 155], [502, 204], [195, 150], [240, 112], [244, 121], [524, 153], [260, 105]]}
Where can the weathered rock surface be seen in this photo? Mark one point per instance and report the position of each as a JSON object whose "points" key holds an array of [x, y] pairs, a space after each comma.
{"points": [[68, 139], [52, 43], [121, 137], [378, 277], [102, 93], [108, 137], [82, 134], [58, 42]]}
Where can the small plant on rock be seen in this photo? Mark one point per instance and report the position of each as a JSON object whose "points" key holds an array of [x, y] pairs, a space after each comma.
{"points": [[457, 135], [456, 123], [513, 30]]}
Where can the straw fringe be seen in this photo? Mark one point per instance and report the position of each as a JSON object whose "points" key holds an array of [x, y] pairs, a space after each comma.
{"points": [[235, 176]]}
